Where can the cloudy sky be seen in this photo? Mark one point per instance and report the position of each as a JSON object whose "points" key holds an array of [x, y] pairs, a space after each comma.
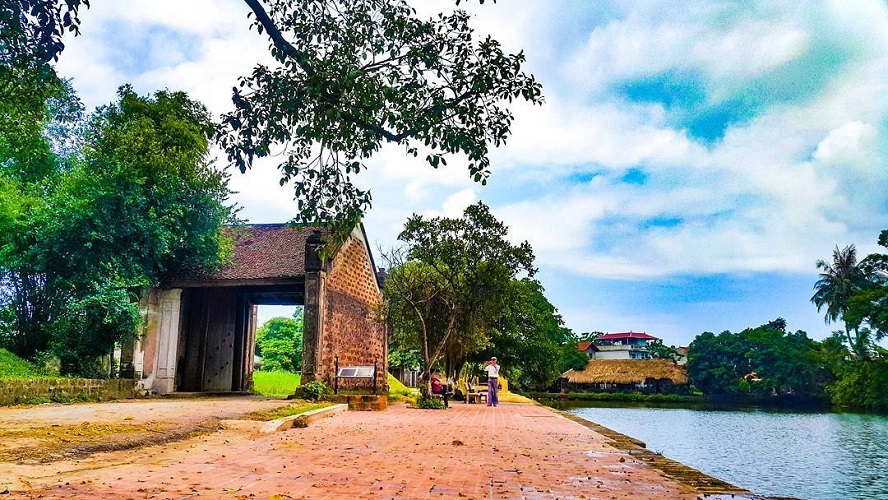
{"points": [[692, 162]]}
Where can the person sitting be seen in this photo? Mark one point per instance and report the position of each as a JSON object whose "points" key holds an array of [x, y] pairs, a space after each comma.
{"points": [[438, 387]]}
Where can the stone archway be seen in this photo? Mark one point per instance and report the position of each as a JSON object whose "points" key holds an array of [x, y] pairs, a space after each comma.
{"points": [[200, 331]]}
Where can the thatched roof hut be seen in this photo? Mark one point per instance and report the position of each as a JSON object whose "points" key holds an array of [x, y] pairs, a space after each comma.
{"points": [[626, 374]]}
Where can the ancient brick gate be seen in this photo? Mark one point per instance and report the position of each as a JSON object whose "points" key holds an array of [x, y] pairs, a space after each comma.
{"points": [[200, 332]]}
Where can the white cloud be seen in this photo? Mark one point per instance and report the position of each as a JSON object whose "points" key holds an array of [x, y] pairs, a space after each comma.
{"points": [[852, 145], [777, 192]]}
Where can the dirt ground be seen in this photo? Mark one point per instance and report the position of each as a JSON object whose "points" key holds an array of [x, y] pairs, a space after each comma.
{"points": [[468, 451]]}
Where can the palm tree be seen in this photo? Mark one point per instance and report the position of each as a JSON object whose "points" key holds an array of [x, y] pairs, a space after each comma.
{"points": [[838, 281]]}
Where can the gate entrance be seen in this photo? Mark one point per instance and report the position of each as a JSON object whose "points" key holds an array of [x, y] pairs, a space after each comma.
{"points": [[201, 330]]}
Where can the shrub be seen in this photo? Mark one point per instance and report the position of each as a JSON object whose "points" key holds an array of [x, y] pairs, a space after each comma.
{"points": [[314, 390], [430, 403]]}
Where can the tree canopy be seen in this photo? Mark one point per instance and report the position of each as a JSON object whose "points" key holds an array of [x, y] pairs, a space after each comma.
{"points": [[757, 362], [352, 75], [530, 339], [856, 293], [447, 285], [137, 200], [279, 343]]}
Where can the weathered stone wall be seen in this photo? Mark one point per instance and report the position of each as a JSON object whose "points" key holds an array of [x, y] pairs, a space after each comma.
{"points": [[15, 391], [350, 330]]}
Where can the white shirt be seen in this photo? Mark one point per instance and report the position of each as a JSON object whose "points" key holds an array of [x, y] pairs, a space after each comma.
{"points": [[492, 371]]}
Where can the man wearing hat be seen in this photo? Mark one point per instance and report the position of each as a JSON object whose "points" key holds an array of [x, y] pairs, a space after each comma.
{"points": [[492, 368]]}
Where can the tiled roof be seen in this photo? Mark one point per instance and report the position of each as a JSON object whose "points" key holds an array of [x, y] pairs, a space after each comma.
{"points": [[584, 346], [265, 251], [627, 335]]}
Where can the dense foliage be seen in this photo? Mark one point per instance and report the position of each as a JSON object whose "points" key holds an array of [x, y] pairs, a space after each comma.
{"points": [[279, 343], [449, 284], [530, 339], [351, 75], [454, 296], [93, 212], [11, 366], [761, 361], [849, 368]]}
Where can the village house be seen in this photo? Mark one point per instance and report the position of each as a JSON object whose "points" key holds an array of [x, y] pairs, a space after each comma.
{"points": [[624, 345], [650, 376]]}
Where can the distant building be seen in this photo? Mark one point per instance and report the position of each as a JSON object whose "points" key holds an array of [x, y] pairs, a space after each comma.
{"points": [[682, 355], [588, 347], [623, 345], [656, 376]]}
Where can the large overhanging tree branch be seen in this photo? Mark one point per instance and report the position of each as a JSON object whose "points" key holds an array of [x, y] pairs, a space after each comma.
{"points": [[32, 30], [352, 75]]}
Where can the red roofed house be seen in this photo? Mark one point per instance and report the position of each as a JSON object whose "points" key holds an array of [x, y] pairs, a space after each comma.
{"points": [[588, 347], [624, 345], [200, 330]]}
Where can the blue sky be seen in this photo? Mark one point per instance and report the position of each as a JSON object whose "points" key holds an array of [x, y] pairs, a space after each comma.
{"points": [[692, 162]]}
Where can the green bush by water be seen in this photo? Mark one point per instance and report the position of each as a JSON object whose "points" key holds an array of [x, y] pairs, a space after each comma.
{"points": [[276, 384], [616, 396]]}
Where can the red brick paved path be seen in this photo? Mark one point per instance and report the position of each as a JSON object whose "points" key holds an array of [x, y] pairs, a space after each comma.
{"points": [[532, 453]]}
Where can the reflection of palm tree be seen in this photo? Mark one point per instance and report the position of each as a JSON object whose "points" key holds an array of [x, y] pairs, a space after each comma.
{"points": [[838, 281]]}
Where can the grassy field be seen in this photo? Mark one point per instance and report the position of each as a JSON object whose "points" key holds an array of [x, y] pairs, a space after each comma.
{"points": [[12, 366], [275, 384]]}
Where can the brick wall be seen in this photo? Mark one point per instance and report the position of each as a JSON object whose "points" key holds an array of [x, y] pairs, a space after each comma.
{"points": [[15, 391], [350, 330]]}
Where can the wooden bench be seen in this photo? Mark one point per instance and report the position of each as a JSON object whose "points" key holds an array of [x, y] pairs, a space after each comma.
{"points": [[476, 396]]}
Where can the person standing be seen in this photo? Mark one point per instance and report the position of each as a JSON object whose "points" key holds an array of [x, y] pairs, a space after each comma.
{"points": [[492, 368]]}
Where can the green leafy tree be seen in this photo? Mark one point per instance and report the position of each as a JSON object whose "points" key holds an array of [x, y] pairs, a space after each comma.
{"points": [[407, 359], [38, 113], [861, 384], [571, 358], [352, 75], [716, 363], [662, 351], [838, 281], [33, 29], [530, 339], [138, 202], [447, 286], [143, 204], [349, 76], [868, 305], [279, 343], [758, 361]]}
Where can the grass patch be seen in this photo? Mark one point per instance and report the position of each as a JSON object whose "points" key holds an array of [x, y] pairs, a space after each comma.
{"points": [[285, 411], [54, 442], [276, 384], [12, 366], [399, 391]]}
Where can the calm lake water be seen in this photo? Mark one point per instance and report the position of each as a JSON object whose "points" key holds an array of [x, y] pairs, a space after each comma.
{"points": [[814, 456]]}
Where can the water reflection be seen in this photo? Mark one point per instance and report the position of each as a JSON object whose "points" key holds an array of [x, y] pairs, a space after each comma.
{"points": [[810, 455]]}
